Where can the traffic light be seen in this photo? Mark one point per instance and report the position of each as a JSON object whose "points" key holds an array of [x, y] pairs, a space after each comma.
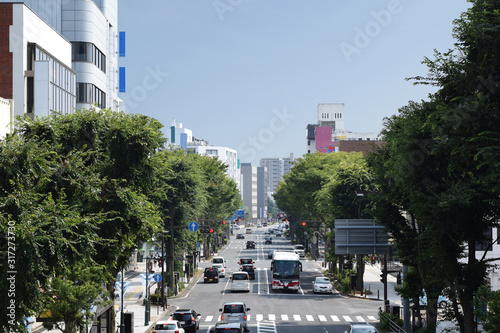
{"points": [[302, 224], [210, 231], [223, 222], [373, 260], [383, 277]]}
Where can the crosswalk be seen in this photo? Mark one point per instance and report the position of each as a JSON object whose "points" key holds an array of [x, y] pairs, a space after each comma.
{"points": [[299, 317]]}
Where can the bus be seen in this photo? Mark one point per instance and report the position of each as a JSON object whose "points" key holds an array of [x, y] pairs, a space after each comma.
{"points": [[286, 268]]}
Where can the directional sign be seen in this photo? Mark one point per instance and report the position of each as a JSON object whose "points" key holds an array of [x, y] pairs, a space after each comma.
{"points": [[157, 277], [193, 226]]}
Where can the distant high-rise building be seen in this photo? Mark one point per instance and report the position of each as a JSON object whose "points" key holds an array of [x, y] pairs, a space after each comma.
{"points": [[249, 185], [275, 169], [325, 136]]}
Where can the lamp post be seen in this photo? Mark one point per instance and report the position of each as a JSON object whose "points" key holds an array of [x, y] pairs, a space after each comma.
{"points": [[163, 233], [122, 314]]}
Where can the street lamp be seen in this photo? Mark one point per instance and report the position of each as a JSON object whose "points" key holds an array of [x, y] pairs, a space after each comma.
{"points": [[163, 233]]}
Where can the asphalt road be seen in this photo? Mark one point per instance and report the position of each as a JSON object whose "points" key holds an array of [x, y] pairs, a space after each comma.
{"points": [[279, 311]]}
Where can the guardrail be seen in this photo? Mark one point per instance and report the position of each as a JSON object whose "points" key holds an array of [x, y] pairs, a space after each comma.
{"points": [[393, 327]]}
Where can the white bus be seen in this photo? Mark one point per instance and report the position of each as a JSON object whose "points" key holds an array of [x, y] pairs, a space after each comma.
{"points": [[286, 268]]}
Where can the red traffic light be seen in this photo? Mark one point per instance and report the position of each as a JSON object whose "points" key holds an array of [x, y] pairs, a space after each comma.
{"points": [[303, 224], [223, 222], [211, 231]]}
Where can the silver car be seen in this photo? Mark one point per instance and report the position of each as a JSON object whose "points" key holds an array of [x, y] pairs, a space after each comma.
{"points": [[235, 312]]}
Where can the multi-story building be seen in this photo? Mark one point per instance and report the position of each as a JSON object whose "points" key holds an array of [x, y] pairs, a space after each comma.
{"points": [[59, 56], [261, 194], [226, 155], [249, 186], [326, 135], [275, 169]]}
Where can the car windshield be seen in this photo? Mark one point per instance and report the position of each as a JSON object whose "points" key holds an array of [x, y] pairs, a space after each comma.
{"points": [[364, 330], [285, 269], [323, 281], [233, 308]]}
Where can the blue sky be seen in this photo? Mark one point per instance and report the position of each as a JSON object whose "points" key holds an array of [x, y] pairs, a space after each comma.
{"points": [[249, 74]]}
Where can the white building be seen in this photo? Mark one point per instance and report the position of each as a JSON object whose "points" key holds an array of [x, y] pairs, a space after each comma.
{"points": [[249, 189], [59, 55], [330, 129], [275, 169], [226, 155]]}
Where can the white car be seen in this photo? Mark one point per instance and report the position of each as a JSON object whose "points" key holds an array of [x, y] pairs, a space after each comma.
{"points": [[240, 281], [219, 260], [169, 326], [300, 250], [322, 285], [222, 270]]}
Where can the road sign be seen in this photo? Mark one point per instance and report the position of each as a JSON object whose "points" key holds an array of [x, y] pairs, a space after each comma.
{"points": [[198, 245], [157, 277], [193, 226]]}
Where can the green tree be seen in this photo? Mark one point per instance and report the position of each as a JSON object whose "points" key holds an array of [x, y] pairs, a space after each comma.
{"points": [[72, 294]]}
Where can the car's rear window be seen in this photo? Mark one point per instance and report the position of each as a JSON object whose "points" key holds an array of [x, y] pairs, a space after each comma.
{"points": [[218, 261], [240, 276], [235, 308], [165, 327], [228, 330], [182, 316]]}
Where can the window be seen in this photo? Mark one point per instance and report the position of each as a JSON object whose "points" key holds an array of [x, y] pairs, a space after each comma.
{"points": [[88, 52]]}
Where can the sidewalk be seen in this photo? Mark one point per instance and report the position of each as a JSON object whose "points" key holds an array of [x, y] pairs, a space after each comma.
{"points": [[133, 303]]}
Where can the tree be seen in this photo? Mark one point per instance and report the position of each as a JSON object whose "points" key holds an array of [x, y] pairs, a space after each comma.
{"points": [[72, 294]]}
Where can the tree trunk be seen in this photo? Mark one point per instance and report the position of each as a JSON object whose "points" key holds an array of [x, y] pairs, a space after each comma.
{"points": [[431, 310]]}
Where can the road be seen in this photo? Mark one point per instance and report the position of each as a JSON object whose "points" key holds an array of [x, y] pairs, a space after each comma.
{"points": [[279, 311]]}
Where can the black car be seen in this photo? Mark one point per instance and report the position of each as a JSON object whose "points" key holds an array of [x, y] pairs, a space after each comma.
{"points": [[269, 240], [250, 245], [270, 254], [211, 275], [240, 236], [250, 269], [245, 261], [188, 318]]}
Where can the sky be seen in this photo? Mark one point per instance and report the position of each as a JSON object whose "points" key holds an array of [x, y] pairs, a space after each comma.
{"points": [[249, 74]]}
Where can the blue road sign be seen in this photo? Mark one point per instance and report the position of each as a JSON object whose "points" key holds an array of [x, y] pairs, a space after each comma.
{"points": [[193, 226], [157, 277]]}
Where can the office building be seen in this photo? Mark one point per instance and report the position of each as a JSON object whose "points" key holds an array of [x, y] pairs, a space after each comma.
{"points": [[275, 169]]}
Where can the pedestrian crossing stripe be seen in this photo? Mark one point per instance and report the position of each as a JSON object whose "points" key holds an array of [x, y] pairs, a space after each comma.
{"points": [[296, 317]]}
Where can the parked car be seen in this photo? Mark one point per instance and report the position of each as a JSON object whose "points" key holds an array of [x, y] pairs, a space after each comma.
{"points": [[250, 245], [442, 301], [268, 240], [322, 285], [211, 274], [235, 312], [240, 236], [219, 260], [361, 328], [188, 318], [240, 281], [228, 328], [250, 269], [169, 326], [244, 261], [221, 269]]}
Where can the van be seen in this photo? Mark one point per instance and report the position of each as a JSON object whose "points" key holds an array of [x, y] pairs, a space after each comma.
{"points": [[240, 281], [219, 260]]}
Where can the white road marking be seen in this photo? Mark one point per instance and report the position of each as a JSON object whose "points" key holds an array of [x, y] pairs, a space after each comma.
{"points": [[272, 317], [284, 317], [372, 318], [360, 319], [347, 318], [296, 317], [321, 318], [209, 318], [309, 318], [259, 317], [335, 318]]}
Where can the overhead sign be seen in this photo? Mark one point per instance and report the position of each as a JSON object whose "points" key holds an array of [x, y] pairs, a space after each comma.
{"points": [[361, 236]]}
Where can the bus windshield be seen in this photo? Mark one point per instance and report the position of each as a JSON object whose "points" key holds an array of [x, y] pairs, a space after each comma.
{"points": [[285, 269]]}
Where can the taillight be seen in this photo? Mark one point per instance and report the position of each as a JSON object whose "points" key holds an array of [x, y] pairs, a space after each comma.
{"points": [[176, 331], [222, 318], [245, 317]]}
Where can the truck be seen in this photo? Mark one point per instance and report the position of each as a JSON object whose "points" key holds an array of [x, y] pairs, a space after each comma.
{"points": [[286, 268]]}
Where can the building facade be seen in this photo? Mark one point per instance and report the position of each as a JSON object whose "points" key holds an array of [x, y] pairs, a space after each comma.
{"points": [[275, 169], [58, 55], [249, 185], [326, 135]]}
